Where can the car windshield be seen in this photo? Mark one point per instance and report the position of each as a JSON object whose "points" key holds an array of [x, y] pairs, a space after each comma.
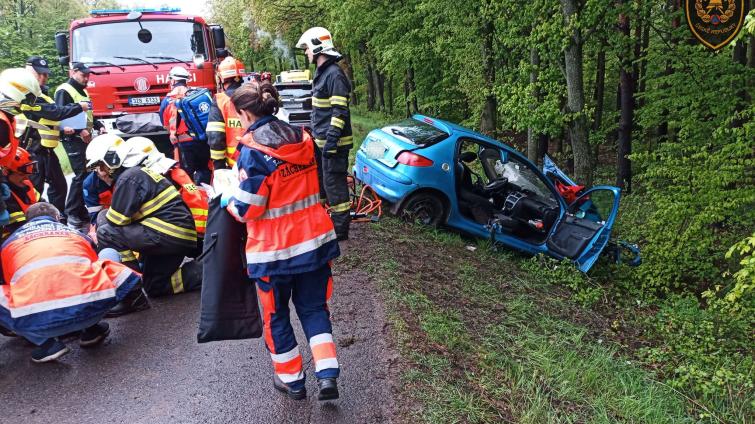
{"points": [[521, 175], [113, 41], [292, 91], [416, 132]]}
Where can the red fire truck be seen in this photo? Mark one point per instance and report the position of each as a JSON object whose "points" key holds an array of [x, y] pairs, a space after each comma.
{"points": [[131, 52]]}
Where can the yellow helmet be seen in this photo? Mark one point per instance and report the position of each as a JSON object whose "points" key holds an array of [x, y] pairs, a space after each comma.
{"points": [[19, 85]]}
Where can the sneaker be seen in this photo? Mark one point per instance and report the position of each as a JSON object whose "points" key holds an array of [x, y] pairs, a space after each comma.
{"points": [[135, 301], [50, 350], [94, 335], [328, 389], [298, 394]]}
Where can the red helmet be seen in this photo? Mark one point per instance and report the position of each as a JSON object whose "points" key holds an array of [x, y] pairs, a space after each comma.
{"points": [[230, 67], [21, 162]]}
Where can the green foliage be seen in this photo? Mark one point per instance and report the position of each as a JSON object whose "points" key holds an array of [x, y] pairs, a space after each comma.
{"points": [[547, 270]]}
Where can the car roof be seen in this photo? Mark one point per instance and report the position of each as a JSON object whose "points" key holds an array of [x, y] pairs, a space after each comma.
{"points": [[456, 130]]}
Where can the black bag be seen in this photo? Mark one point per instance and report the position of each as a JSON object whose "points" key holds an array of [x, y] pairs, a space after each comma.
{"points": [[229, 308], [139, 123]]}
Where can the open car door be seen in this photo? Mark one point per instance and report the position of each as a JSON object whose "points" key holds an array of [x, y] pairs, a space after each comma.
{"points": [[583, 232]]}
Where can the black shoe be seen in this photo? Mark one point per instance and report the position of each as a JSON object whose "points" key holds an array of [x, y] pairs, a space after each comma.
{"points": [[328, 389], [94, 335], [135, 301], [50, 350], [283, 387]]}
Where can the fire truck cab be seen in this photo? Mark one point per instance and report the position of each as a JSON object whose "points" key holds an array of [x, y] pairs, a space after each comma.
{"points": [[131, 52]]}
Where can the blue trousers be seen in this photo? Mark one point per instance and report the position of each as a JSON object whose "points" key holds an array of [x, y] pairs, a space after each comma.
{"points": [[309, 293]]}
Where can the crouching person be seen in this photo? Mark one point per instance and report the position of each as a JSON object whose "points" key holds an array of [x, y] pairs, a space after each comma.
{"points": [[291, 239], [146, 216], [54, 283]]}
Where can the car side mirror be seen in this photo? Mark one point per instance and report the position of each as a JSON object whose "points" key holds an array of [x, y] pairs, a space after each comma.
{"points": [[218, 36]]}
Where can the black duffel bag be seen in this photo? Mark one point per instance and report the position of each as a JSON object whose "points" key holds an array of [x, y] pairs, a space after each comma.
{"points": [[229, 308], [139, 123]]}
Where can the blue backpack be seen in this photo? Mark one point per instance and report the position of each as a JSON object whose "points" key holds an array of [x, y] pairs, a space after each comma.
{"points": [[194, 109]]}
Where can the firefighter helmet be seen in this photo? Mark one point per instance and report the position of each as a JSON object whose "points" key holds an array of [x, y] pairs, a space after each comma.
{"points": [[230, 67], [19, 85], [21, 162], [108, 149], [179, 73], [142, 151], [318, 40]]}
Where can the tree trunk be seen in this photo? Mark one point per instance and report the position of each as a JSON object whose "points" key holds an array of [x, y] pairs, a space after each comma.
{"points": [[532, 138], [411, 95], [575, 101], [390, 95], [380, 89], [489, 118], [626, 115], [349, 71], [542, 146], [370, 86], [294, 59]]}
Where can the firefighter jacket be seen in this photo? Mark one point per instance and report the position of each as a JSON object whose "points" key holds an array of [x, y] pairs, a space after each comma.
{"points": [[144, 197], [331, 121], [278, 197], [83, 288], [97, 195], [49, 115], [20, 200], [171, 119], [73, 92], [224, 127], [195, 198]]}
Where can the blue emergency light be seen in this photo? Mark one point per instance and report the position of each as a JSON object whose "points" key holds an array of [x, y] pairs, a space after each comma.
{"points": [[126, 11]]}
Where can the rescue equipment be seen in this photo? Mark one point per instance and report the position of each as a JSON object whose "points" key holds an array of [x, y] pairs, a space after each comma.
{"points": [[194, 109]]}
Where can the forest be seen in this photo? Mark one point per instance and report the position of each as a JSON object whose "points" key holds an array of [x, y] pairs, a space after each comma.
{"points": [[618, 92]]}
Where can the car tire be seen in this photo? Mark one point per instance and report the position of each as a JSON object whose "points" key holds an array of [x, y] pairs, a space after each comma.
{"points": [[424, 208]]}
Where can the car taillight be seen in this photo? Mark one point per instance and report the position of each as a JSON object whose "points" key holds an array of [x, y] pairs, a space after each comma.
{"points": [[413, 159]]}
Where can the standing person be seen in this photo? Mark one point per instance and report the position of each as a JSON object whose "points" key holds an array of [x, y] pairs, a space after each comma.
{"points": [[75, 141], [291, 239], [331, 123], [194, 154], [224, 129], [41, 143]]}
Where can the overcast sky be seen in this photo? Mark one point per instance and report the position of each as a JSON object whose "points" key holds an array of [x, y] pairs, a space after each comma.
{"points": [[191, 7]]}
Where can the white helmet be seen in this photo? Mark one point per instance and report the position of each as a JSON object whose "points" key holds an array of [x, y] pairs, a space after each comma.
{"points": [[108, 149], [318, 40], [142, 152], [179, 73], [19, 85]]}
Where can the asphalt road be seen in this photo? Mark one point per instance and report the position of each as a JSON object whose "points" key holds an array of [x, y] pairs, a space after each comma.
{"points": [[152, 370]]}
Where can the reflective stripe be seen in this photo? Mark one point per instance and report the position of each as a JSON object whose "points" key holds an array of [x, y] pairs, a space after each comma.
{"points": [[285, 357], [343, 141], [160, 200], [177, 282], [216, 127], [320, 142], [339, 100], [290, 252], [43, 263], [170, 229], [249, 198], [230, 150], [320, 339], [337, 122], [217, 154], [117, 218], [199, 211], [292, 207], [93, 209], [290, 378], [341, 207], [63, 303], [127, 256], [322, 364], [322, 103], [17, 217]]}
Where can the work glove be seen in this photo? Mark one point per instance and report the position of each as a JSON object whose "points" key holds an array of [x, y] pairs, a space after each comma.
{"points": [[330, 148]]}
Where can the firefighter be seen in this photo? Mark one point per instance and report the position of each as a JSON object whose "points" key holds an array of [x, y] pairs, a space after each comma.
{"points": [[82, 288], [290, 240], [146, 216], [331, 123], [18, 89], [75, 141], [194, 154], [16, 174], [223, 126], [42, 142], [98, 192]]}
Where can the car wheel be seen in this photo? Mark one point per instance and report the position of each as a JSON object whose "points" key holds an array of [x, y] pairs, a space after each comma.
{"points": [[424, 208]]}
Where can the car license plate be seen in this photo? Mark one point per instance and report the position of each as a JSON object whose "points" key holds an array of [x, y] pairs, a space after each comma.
{"points": [[144, 101]]}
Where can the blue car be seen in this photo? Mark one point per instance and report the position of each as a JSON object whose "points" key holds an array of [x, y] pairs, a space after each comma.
{"points": [[439, 173]]}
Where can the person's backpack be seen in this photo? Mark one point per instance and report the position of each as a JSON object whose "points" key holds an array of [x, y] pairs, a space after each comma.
{"points": [[194, 109]]}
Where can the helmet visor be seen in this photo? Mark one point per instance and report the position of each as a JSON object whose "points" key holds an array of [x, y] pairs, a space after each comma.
{"points": [[29, 168]]}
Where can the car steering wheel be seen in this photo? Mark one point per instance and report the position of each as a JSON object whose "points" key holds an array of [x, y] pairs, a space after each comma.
{"points": [[496, 185]]}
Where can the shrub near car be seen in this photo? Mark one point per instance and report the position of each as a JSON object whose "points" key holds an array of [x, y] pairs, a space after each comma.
{"points": [[439, 173]]}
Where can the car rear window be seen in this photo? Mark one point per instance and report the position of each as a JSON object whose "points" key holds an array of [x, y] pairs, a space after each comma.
{"points": [[416, 132]]}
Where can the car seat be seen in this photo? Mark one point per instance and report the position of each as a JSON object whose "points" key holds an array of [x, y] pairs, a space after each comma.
{"points": [[471, 203]]}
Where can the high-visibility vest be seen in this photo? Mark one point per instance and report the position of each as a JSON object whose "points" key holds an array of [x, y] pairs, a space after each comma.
{"points": [[233, 128], [77, 98], [54, 278], [50, 136], [195, 198], [8, 151], [32, 194], [176, 126]]}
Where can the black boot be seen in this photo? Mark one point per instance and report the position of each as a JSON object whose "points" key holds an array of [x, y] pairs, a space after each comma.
{"points": [[328, 389], [298, 394], [134, 301]]}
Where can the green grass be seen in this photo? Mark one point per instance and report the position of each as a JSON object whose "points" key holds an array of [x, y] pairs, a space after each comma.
{"points": [[481, 344]]}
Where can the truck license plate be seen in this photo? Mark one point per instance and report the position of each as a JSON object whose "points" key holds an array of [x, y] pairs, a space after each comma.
{"points": [[144, 101]]}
